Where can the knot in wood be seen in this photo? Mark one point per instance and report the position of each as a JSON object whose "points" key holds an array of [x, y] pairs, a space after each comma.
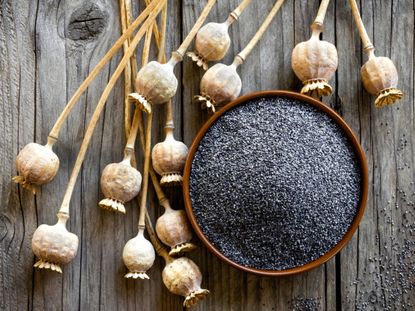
{"points": [[86, 22]]}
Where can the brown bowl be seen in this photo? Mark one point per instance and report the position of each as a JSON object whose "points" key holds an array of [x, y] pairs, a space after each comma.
{"points": [[349, 134]]}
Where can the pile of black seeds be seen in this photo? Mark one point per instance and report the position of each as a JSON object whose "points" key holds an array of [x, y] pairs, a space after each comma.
{"points": [[274, 184], [305, 304]]}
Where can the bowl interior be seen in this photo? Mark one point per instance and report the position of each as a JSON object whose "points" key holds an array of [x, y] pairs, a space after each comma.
{"points": [[353, 142]]}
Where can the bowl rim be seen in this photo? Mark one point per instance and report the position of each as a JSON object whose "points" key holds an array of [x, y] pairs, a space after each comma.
{"points": [[349, 134]]}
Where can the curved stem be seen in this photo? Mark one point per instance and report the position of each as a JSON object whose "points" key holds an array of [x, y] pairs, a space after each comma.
{"points": [[127, 70], [177, 56], [368, 47], [133, 59], [245, 52], [144, 188], [161, 38], [100, 106], [147, 46], [234, 15], [54, 133]]}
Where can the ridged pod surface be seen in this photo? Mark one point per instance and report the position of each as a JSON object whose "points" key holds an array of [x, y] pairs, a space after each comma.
{"points": [[155, 84], [211, 44], [314, 63], [183, 277], [120, 183], [220, 84], [380, 78], [173, 230], [54, 246], [138, 256], [168, 158], [37, 165]]}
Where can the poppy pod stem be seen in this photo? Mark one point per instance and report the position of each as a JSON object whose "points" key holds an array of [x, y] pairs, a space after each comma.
{"points": [[100, 107], [234, 15], [147, 151], [258, 35]]}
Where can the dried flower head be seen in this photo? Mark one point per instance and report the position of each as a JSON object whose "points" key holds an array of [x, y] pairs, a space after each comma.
{"points": [[173, 230], [219, 85], [37, 165], [54, 245], [380, 78], [168, 159], [155, 84], [315, 62], [138, 256], [211, 43], [183, 277], [120, 183]]}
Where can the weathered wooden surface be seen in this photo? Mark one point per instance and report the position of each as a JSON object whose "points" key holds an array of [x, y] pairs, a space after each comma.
{"points": [[45, 53]]}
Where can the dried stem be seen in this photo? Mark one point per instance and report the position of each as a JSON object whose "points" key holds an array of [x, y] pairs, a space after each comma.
{"points": [[245, 52], [177, 56], [319, 20], [54, 133], [238, 11], [144, 188], [159, 38], [133, 60], [368, 47], [127, 70], [101, 103], [147, 46], [129, 147]]}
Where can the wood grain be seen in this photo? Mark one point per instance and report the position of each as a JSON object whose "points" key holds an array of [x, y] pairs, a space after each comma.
{"points": [[43, 59]]}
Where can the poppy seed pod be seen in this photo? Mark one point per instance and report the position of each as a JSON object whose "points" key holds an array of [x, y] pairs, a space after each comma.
{"points": [[155, 84], [314, 63], [211, 43], [219, 85], [54, 245], [120, 183], [380, 78], [37, 165], [183, 277], [168, 158], [173, 230], [138, 256]]}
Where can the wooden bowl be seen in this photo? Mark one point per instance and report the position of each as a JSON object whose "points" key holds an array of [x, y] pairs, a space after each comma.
{"points": [[349, 134]]}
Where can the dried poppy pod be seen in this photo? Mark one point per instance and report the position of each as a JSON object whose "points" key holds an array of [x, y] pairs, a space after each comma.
{"points": [[155, 83], [54, 245], [168, 159], [212, 40], [211, 44], [173, 230], [120, 183], [220, 85], [138, 256], [37, 165], [380, 78], [379, 75], [315, 62], [183, 277]]}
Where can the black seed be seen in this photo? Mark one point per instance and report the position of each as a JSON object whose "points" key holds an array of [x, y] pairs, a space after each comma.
{"points": [[275, 184]]}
